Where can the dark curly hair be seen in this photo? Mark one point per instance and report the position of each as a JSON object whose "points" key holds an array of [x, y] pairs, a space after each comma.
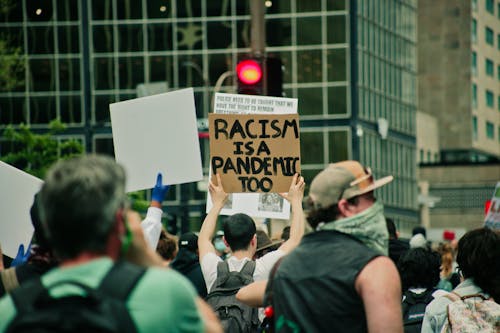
{"points": [[419, 268], [479, 258]]}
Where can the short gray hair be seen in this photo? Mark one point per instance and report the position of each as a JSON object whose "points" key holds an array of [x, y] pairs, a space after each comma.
{"points": [[79, 201]]}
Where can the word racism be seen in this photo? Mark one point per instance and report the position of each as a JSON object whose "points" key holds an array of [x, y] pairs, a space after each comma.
{"points": [[255, 153]]}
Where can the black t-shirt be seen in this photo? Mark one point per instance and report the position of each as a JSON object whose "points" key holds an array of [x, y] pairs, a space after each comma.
{"points": [[313, 288]]}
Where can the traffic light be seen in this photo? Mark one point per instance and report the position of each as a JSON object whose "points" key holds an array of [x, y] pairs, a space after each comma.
{"points": [[249, 73], [260, 76]]}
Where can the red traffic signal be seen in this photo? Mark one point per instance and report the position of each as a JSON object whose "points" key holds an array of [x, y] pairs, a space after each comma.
{"points": [[249, 71]]}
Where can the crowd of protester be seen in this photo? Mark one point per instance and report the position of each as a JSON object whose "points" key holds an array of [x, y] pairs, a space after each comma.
{"points": [[352, 273]]}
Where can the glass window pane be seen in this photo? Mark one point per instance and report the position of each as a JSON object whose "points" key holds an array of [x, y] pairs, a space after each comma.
{"points": [[337, 100], [39, 10], [187, 9], [130, 38], [66, 11], [336, 64], [102, 10], [104, 146], [308, 6], [190, 71], [308, 30], [69, 74], [42, 76], [40, 40], [71, 109], [13, 110], [336, 29], [159, 37], [219, 8], [129, 9], [189, 36], [310, 101], [68, 39], [338, 142], [311, 147], [278, 32], [42, 109], [159, 9], [101, 108], [103, 38], [219, 35], [310, 64], [161, 69], [104, 73], [131, 72], [338, 4]]}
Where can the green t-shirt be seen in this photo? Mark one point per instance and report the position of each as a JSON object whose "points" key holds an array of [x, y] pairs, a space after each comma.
{"points": [[162, 301]]}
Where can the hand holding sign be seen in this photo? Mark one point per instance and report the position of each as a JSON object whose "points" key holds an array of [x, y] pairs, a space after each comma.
{"points": [[219, 197], [296, 192]]}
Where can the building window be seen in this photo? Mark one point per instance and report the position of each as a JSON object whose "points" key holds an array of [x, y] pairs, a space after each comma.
{"points": [[489, 99], [474, 128], [490, 6], [489, 35], [474, 63], [474, 30], [490, 130], [498, 71], [474, 5], [474, 95], [498, 102], [498, 40], [490, 68]]}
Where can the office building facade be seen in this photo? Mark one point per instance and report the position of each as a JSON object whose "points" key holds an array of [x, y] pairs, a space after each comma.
{"points": [[351, 64]]}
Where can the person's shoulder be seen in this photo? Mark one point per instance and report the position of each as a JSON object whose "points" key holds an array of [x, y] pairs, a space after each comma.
{"points": [[7, 312]]}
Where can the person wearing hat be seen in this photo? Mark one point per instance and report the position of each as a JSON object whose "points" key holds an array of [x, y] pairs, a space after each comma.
{"points": [[187, 262], [265, 244], [339, 279]]}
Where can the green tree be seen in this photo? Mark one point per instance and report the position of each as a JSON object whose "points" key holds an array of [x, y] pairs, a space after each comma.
{"points": [[35, 153], [12, 59]]}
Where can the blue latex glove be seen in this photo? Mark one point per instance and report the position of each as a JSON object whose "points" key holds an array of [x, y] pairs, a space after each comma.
{"points": [[21, 257], [160, 190]]}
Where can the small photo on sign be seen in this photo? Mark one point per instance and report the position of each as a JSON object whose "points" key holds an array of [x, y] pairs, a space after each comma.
{"points": [[229, 202], [270, 202]]}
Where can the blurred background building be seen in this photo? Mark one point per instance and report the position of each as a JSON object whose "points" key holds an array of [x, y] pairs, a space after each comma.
{"points": [[459, 98], [351, 64]]}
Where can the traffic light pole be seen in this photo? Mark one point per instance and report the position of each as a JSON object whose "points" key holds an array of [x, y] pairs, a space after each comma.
{"points": [[258, 33]]}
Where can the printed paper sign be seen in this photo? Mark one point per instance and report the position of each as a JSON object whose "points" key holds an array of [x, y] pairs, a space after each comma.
{"points": [[492, 219], [16, 197], [242, 104], [254, 153], [157, 134]]}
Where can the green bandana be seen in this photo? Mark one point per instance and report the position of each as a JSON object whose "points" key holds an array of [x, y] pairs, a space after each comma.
{"points": [[368, 226]]}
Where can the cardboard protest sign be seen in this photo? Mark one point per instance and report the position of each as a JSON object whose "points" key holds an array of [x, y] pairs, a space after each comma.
{"points": [[16, 197], [157, 134], [492, 219], [254, 153]]}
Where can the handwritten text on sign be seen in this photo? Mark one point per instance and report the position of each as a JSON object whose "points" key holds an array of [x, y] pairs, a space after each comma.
{"points": [[254, 153]]}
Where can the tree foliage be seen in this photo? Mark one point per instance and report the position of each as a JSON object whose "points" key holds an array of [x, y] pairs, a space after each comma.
{"points": [[35, 153], [12, 59]]}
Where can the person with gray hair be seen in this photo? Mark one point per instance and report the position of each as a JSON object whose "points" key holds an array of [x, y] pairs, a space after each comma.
{"points": [[84, 211]]}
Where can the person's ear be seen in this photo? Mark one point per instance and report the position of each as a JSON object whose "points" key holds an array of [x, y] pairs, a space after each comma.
{"points": [[225, 242], [345, 208]]}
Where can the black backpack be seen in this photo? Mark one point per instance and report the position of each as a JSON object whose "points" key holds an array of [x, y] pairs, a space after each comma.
{"points": [[414, 309], [235, 316], [100, 310]]}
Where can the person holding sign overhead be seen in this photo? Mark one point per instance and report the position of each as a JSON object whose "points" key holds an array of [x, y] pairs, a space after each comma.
{"points": [[240, 234]]}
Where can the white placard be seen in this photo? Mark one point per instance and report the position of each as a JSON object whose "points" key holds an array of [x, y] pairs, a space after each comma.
{"points": [[264, 205], [492, 219], [157, 134], [16, 198]]}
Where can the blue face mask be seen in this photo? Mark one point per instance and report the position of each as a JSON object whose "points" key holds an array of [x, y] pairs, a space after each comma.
{"points": [[219, 245]]}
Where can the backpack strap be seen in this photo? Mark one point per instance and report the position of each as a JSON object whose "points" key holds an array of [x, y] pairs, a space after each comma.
{"points": [[118, 284], [9, 279], [121, 280], [25, 297], [248, 268]]}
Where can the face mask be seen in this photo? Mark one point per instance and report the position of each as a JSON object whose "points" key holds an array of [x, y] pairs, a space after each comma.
{"points": [[219, 245], [368, 226]]}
